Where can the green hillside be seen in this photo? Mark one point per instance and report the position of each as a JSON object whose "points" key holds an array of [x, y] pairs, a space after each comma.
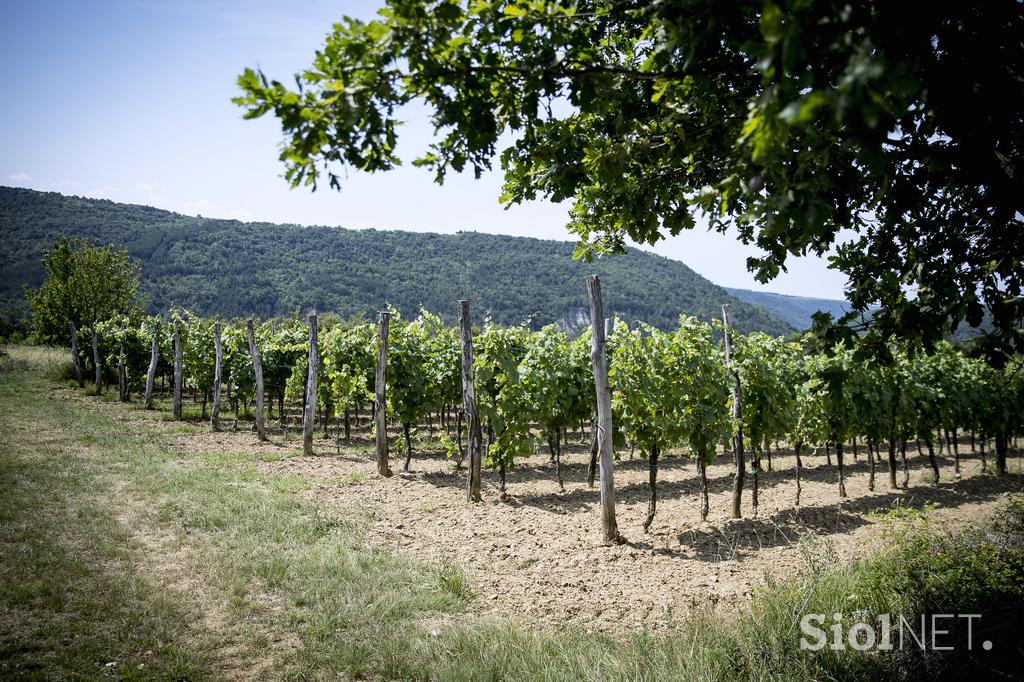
{"points": [[230, 268]]}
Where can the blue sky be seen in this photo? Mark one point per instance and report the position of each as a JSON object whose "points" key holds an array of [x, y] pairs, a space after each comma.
{"points": [[130, 101]]}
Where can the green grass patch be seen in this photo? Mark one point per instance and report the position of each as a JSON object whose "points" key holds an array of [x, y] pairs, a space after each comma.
{"points": [[901, 511]]}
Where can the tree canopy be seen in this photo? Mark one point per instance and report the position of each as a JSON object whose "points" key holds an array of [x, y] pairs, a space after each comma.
{"points": [[887, 135], [85, 284]]}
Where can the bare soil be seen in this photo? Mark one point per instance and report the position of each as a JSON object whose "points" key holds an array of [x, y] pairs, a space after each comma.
{"points": [[537, 558]]}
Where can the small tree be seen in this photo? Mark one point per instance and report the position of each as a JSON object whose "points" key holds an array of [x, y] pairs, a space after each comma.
{"points": [[85, 284]]}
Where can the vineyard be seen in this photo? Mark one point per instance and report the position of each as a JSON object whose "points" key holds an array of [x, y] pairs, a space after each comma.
{"points": [[699, 392], [312, 481]]}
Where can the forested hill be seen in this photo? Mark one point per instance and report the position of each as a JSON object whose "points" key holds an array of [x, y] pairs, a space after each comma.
{"points": [[231, 269]]}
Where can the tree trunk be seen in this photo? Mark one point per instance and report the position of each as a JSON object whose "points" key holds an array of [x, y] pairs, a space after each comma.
{"points": [[408, 446], [96, 360], [76, 362], [462, 453], [502, 494], [555, 445], [799, 467], [280, 407], [305, 401], [871, 468], [828, 454], [218, 360], [768, 453], [956, 456], [737, 418], [755, 469], [1001, 446], [381, 396], [122, 377], [903, 458], [931, 460], [309, 414], [592, 467], [892, 461], [854, 444], [652, 487], [598, 358], [257, 368], [176, 404], [154, 358], [839, 466], [984, 461], [702, 471]]}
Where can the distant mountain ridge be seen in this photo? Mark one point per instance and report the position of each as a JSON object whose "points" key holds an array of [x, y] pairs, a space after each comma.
{"points": [[231, 269], [796, 311]]}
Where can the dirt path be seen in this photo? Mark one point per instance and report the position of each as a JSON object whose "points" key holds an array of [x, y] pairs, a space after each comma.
{"points": [[536, 558]]}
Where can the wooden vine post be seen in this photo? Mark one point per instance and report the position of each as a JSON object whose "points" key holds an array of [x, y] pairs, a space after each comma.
{"points": [[380, 398], [96, 359], [76, 363], [309, 414], [737, 417], [469, 407], [122, 377], [598, 358], [592, 467], [257, 369], [218, 359], [154, 358], [177, 370]]}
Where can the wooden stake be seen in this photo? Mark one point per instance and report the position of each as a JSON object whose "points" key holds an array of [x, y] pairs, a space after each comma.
{"points": [[737, 417], [469, 407], [96, 360], [218, 360], [151, 373], [309, 415], [381, 396], [176, 405], [598, 357], [257, 368]]}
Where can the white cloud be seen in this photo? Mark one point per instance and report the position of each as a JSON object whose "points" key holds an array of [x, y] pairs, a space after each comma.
{"points": [[19, 177]]}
